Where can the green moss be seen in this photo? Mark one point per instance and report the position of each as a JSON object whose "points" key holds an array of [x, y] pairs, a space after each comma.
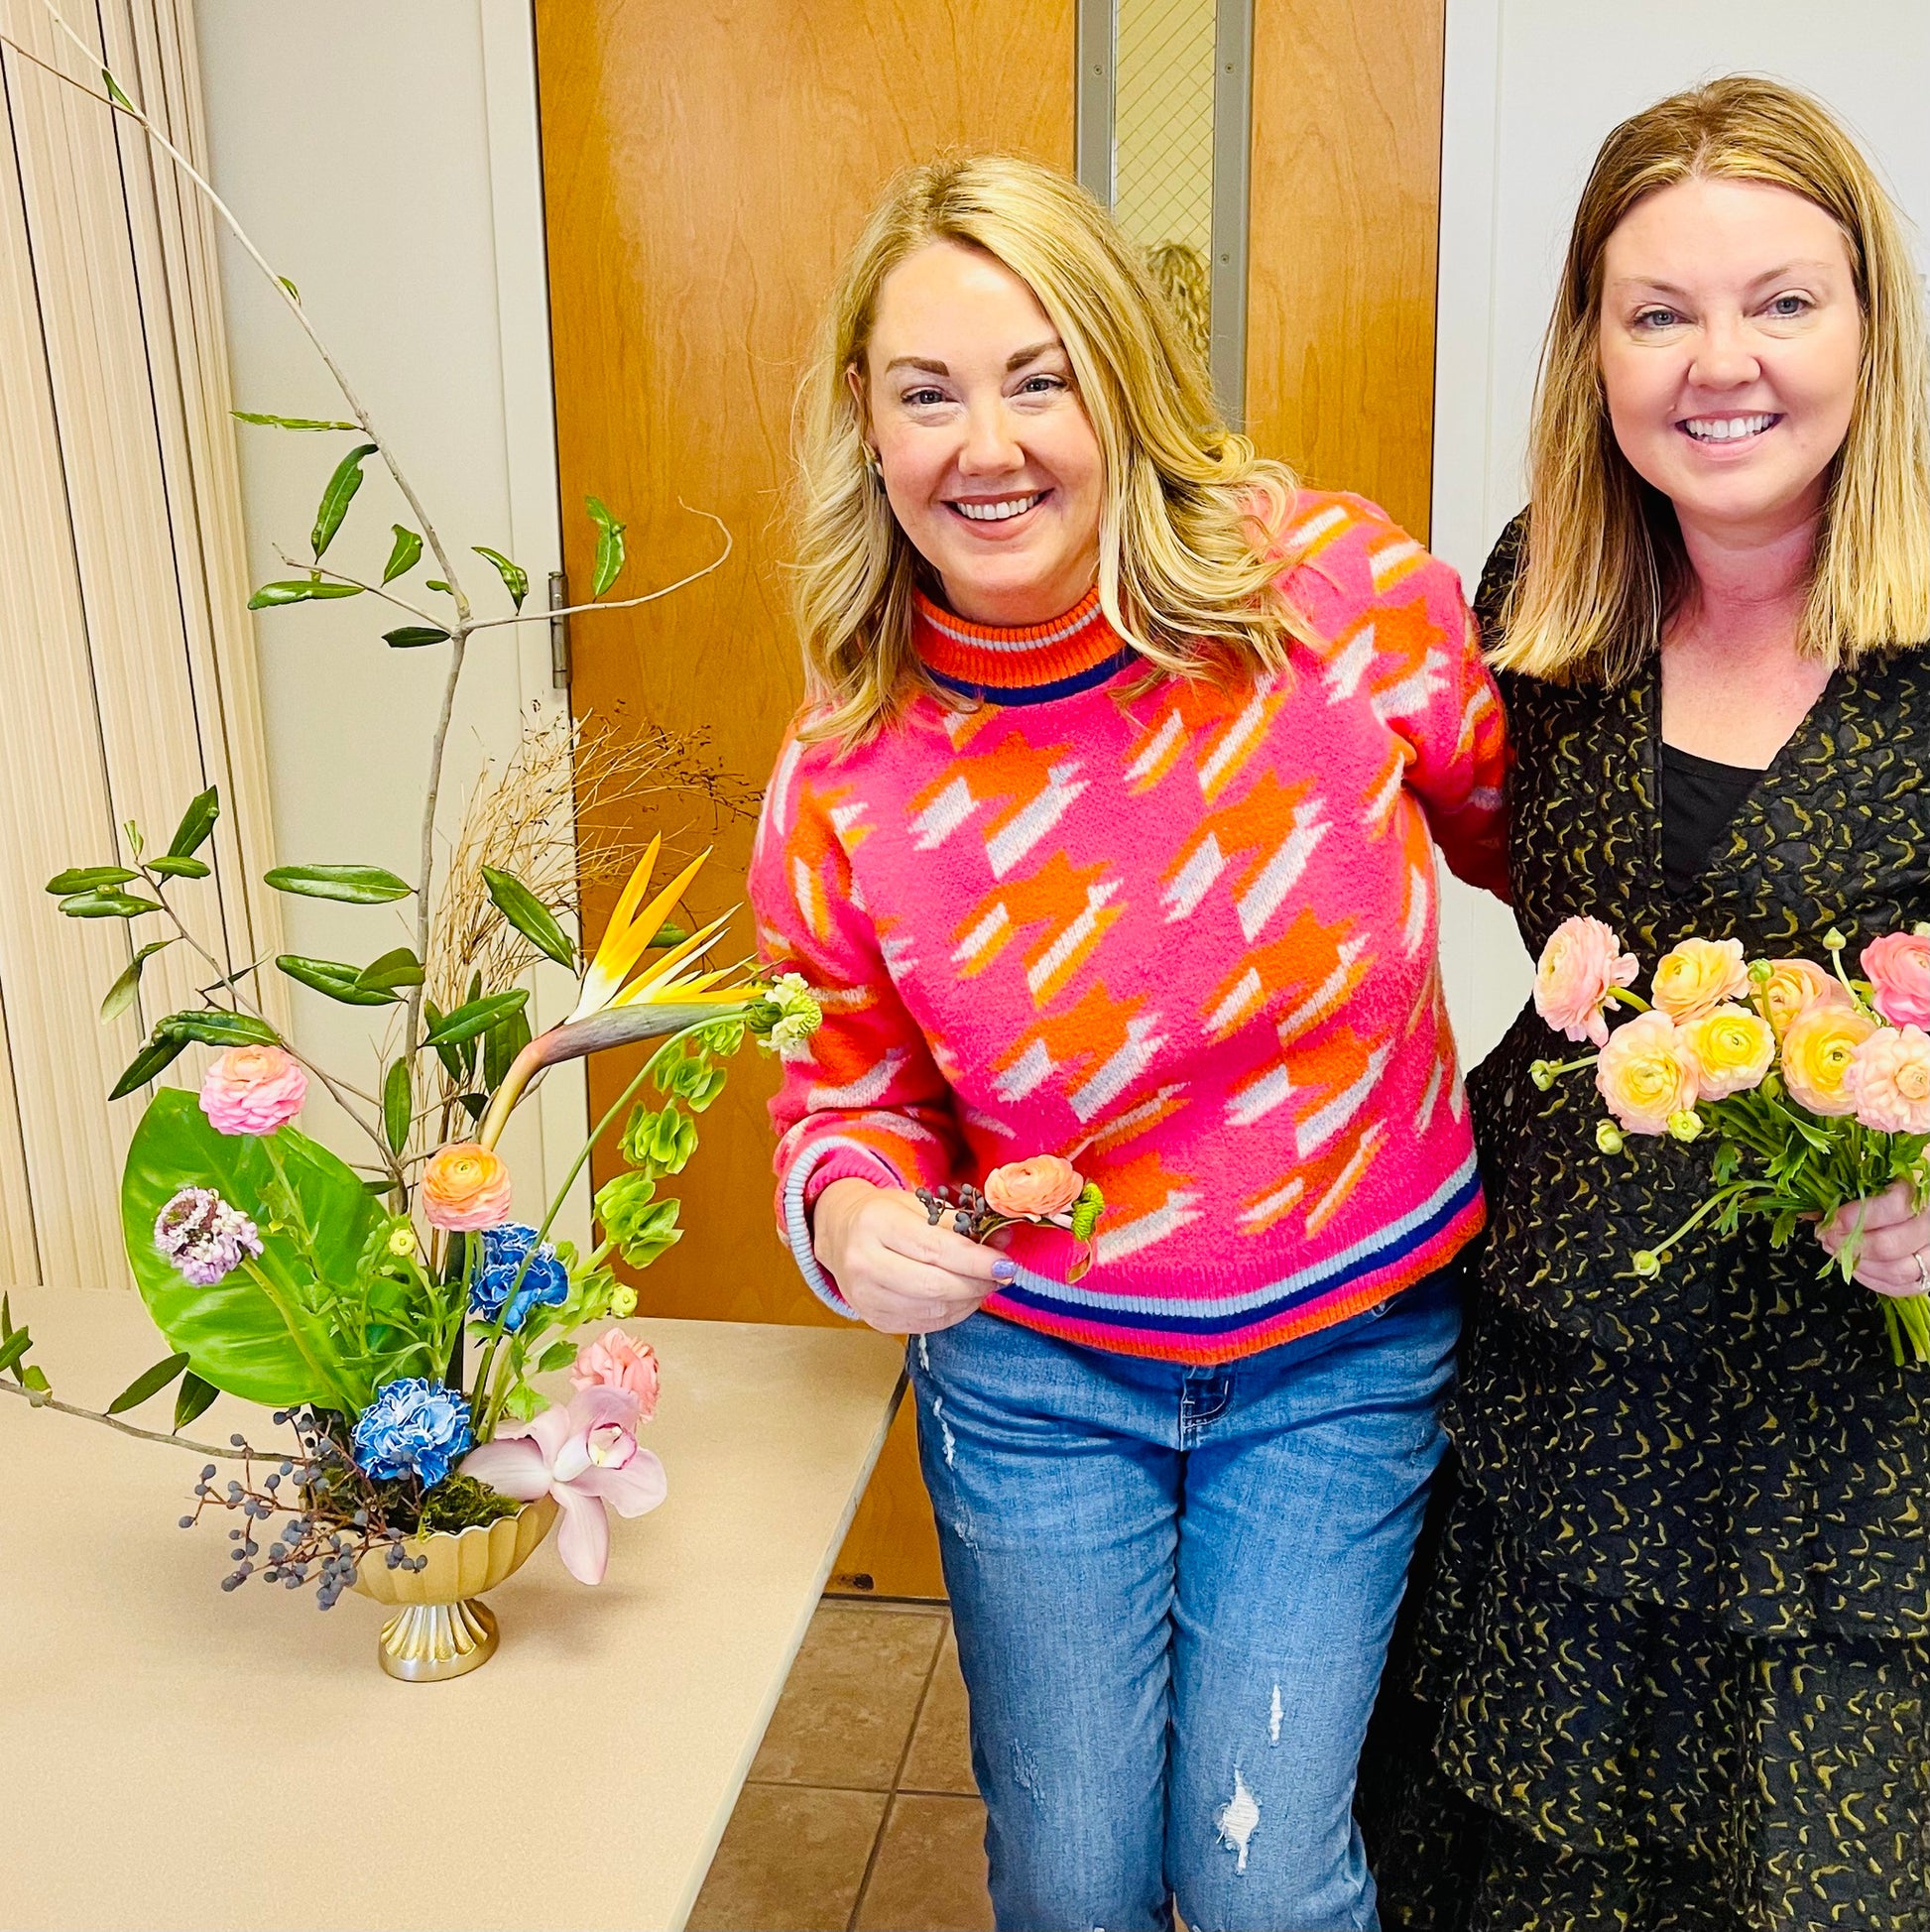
{"points": [[461, 1503]]}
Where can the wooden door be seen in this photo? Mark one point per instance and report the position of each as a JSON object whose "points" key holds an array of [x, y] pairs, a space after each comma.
{"points": [[706, 165]]}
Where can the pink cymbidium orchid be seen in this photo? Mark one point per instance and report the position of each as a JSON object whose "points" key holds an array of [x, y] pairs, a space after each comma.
{"points": [[588, 1458]]}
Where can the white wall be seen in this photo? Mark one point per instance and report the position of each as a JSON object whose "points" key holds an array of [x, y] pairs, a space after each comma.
{"points": [[1532, 86], [385, 158]]}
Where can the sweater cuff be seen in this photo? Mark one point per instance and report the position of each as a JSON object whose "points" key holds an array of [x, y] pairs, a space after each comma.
{"points": [[810, 1174]]}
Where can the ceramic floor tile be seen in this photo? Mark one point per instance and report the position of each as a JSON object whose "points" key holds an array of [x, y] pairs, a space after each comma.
{"points": [[848, 1705], [792, 1860], [929, 1873], [941, 1746]]}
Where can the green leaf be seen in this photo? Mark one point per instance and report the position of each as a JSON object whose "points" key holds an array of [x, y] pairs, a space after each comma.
{"points": [[295, 295], [114, 92], [6, 1316], [13, 1348], [516, 579], [475, 1017], [152, 1382], [35, 1378], [399, 967], [339, 494], [436, 583], [157, 1055], [273, 1344], [405, 556], [529, 916], [609, 546], [413, 637], [120, 995], [397, 1102], [335, 977], [558, 1354], [291, 422], [216, 1027], [170, 867], [501, 1045], [474, 1105], [197, 822], [109, 905], [299, 590], [88, 879], [353, 885], [194, 1398], [450, 1056]]}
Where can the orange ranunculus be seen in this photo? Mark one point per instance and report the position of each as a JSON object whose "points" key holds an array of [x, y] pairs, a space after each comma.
{"points": [[1699, 976], [1817, 1048], [465, 1188], [1732, 1047], [1044, 1184], [1645, 1073], [1796, 985]]}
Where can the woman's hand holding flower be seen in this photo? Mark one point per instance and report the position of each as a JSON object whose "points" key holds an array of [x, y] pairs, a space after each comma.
{"points": [[899, 1272], [1894, 1255]]}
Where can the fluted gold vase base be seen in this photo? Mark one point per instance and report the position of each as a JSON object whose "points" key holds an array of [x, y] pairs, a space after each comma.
{"points": [[426, 1643], [441, 1628]]}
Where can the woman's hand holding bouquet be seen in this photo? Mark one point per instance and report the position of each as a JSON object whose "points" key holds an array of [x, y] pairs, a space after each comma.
{"points": [[1812, 1088]]}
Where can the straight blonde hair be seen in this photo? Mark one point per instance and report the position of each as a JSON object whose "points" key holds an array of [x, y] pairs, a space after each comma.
{"points": [[1188, 512], [1606, 568]]}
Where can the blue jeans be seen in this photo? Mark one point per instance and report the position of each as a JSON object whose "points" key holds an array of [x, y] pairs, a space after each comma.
{"points": [[1173, 1588]]}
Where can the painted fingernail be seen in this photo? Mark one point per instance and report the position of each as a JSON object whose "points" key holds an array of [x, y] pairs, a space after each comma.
{"points": [[1005, 1273]]}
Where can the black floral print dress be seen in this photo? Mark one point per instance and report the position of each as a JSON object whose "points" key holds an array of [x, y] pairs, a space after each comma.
{"points": [[1668, 1663]]}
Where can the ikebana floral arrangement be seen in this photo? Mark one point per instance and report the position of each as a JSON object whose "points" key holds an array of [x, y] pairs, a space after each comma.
{"points": [[395, 1312], [1810, 1088], [1047, 1191]]}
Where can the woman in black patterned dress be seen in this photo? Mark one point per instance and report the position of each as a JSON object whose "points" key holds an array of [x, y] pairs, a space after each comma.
{"points": [[1670, 1666]]}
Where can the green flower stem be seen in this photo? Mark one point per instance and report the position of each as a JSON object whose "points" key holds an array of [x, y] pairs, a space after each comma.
{"points": [[326, 1372], [304, 1236], [1720, 1199], [1621, 996], [491, 1408]]}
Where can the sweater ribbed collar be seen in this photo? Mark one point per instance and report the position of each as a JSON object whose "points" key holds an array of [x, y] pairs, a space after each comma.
{"points": [[1028, 663]]}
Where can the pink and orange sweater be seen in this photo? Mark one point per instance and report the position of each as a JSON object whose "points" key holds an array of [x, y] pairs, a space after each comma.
{"points": [[1185, 938]]}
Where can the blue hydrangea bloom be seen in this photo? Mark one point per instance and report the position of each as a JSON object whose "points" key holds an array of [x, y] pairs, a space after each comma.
{"points": [[503, 1250], [414, 1427]]}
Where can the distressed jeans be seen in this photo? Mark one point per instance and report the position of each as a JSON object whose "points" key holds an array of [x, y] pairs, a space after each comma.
{"points": [[1173, 1588]]}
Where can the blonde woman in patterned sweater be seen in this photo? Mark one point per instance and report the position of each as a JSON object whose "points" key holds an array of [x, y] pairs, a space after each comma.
{"points": [[1106, 834]]}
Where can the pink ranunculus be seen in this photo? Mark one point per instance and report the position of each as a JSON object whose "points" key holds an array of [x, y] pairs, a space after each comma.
{"points": [[1897, 967], [1045, 1185], [1581, 963], [614, 1361], [1889, 1079], [587, 1456], [253, 1089]]}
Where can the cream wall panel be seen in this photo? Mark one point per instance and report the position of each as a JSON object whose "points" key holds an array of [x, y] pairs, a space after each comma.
{"points": [[132, 657]]}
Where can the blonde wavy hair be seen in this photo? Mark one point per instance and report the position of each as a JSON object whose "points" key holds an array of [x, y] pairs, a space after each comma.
{"points": [[1605, 568], [1189, 514]]}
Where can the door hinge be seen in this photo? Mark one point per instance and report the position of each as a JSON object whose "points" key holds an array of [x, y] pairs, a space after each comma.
{"points": [[559, 633]]}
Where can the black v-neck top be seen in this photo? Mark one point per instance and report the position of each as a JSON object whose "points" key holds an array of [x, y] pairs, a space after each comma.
{"points": [[1699, 798]]}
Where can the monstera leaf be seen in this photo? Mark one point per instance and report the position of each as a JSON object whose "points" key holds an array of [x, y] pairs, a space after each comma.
{"points": [[263, 1333]]}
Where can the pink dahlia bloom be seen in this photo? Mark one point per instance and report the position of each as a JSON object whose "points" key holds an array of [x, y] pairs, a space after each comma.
{"points": [[1888, 1079], [253, 1089], [587, 1456], [1581, 963], [614, 1361], [1897, 967]]}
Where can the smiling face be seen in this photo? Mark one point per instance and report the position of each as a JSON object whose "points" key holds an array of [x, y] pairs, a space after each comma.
{"points": [[990, 463], [1729, 339]]}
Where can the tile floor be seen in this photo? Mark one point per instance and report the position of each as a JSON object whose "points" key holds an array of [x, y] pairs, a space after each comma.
{"points": [[860, 1814]]}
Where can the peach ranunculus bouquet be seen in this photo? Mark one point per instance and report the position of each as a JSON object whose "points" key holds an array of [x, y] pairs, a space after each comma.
{"points": [[1045, 1192], [1811, 1088]]}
